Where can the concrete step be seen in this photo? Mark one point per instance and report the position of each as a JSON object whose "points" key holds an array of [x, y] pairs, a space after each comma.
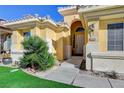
{"points": [[68, 65]]}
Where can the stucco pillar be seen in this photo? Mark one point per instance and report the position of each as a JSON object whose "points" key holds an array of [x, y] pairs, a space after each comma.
{"points": [[16, 53], [14, 39], [43, 33], [92, 45], [67, 45], [37, 31], [33, 31], [59, 49]]}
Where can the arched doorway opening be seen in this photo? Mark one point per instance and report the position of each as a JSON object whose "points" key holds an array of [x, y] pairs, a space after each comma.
{"points": [[77, 38]]}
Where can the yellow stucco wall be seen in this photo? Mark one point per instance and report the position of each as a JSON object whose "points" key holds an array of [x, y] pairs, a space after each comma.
{"points": [[14, 39], [50, 34], [45, 33], [67, 38], [62, 40], [37, 31], [102, 35], [59, 49], [17, 39], [41, 32], [70, 18]]}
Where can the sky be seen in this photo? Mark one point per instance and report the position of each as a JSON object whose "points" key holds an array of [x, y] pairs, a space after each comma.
{"points": [[10, 12]]}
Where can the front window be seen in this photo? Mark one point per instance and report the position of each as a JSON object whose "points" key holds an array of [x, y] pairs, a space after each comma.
{"points": [[115, 37], [26, 34]]}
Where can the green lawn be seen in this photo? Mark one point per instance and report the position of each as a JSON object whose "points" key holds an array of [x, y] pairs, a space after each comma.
{"points": [[20, 79]]}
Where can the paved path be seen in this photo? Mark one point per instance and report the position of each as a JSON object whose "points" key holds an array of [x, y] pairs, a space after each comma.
{"points": [[65, 74], [68, 73], [91, 82]]}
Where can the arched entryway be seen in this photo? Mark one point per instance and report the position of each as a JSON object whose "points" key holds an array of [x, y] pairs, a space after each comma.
{"points": [[77, 38]]}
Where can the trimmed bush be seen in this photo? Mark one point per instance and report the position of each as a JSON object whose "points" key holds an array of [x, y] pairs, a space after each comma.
{"points": [[36, 54]]}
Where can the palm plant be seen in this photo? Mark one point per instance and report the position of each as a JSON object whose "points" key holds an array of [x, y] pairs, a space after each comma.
{"points": [[36, 54]]}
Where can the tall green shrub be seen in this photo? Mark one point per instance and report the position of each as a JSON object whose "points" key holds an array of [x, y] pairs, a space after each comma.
{"points": [[36, 54]]}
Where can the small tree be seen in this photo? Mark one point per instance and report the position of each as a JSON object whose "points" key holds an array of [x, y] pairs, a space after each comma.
{"points": [[36, 54]]}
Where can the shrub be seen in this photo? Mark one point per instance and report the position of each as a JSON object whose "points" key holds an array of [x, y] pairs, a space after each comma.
{"points": [[36, 54]]}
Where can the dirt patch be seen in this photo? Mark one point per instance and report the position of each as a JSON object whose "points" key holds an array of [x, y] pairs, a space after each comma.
{"points": [[112, 75]]}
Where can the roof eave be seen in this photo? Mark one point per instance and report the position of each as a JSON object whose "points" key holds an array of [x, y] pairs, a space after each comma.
{"points": [[97, 8]]}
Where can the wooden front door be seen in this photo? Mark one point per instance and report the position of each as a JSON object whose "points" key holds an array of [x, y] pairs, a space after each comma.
{"points": [[79, 44]]}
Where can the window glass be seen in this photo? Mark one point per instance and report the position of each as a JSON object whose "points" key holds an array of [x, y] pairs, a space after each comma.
{"points": [[80, 29], [26, 34], [115, 37]]}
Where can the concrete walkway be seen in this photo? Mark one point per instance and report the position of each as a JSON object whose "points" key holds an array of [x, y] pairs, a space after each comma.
{"points": [[65, 74], [68, 73]]}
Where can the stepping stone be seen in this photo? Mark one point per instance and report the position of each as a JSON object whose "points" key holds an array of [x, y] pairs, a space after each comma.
{"points": [[117, 83], [88, 81]]}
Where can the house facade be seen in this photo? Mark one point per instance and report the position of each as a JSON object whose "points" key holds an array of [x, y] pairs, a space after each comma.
{"points": [[102, 35], [93, 32], [55, 34]]}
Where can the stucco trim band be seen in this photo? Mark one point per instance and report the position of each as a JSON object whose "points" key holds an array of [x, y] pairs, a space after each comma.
{"points": [[108, 55]]}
